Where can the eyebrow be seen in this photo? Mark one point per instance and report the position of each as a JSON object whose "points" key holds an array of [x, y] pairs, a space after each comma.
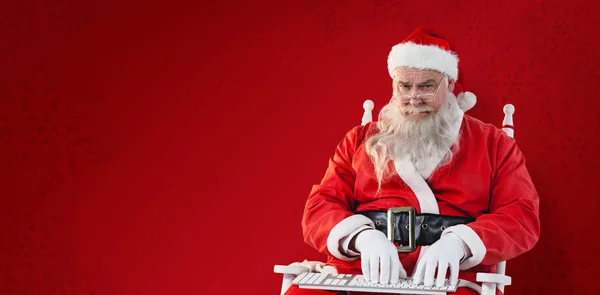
{"points": [[429, 81]]}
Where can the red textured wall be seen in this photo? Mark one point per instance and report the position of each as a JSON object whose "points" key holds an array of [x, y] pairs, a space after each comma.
{"points": [[168, 148]]}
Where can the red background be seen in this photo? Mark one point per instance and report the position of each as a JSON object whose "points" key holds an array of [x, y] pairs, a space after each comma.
{"points": [[168, 148]]}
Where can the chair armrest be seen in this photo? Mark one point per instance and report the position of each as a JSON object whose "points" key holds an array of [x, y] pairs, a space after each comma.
{"points": [[493, 278], [289, 274], [290, 269], [491, 281]]}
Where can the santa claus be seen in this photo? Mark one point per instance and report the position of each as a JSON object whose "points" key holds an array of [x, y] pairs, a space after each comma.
{"points": [[473, 198]]}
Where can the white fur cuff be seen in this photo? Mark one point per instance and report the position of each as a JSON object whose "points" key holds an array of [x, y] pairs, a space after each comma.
{"points": [[472, 240], [342, 230]]}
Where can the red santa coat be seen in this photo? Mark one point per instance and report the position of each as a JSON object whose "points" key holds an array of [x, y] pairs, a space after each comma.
{"points": [[486, 179]]}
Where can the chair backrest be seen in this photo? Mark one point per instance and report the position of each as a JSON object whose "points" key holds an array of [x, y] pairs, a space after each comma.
{"points": [[507, 126], [368, 105], [507, 123]]}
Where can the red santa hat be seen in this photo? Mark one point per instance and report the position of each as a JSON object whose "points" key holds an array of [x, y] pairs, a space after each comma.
{"points": [[423, 50]]}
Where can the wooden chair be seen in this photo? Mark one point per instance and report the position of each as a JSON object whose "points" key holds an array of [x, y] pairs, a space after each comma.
{"points": [[489, 281]]}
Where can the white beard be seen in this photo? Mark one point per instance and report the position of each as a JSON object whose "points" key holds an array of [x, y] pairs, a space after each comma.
{"points": [[425, 142]]}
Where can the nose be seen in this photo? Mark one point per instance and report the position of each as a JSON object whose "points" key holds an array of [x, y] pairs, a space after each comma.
{"points": [[414, 101]]}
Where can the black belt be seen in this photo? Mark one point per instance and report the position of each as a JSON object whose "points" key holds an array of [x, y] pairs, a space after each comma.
{"points": [[411, 230]]}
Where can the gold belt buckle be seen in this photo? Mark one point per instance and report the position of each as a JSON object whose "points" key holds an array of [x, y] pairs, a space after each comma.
{"points": [[411, 227]]}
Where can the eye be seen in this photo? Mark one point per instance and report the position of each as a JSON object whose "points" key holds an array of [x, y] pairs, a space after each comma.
{"points": [[426, 87], [405, 86]]}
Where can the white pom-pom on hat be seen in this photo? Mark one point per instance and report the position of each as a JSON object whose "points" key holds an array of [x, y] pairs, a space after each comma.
{"points": [[466, 100]]}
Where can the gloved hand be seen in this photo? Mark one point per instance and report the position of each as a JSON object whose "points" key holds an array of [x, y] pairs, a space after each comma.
{"points": [[446, 252], [379, 257]]}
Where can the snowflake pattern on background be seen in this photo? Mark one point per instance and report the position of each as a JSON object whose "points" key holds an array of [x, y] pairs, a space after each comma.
{"points": [[44, 137]]}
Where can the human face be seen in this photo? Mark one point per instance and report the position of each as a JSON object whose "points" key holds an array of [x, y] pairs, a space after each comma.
{"points": [[420, 93]]}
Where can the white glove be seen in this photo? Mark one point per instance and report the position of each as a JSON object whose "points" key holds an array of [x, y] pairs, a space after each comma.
{"points": [[447, 251], [379, 257], [316, 266]]}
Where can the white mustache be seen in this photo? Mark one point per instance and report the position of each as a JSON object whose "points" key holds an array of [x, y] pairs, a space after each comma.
{"points": [[416, 110]]}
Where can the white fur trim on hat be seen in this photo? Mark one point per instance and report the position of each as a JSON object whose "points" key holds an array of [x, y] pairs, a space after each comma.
{"points": [[423, 57], [466, 100]]}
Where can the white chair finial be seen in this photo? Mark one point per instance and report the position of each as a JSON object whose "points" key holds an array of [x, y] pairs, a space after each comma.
{"points": [[509, 109], [507, 123], [368, 105]]}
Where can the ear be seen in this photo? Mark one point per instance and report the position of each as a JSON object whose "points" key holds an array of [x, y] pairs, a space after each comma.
{"points": [[451, 85]]}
